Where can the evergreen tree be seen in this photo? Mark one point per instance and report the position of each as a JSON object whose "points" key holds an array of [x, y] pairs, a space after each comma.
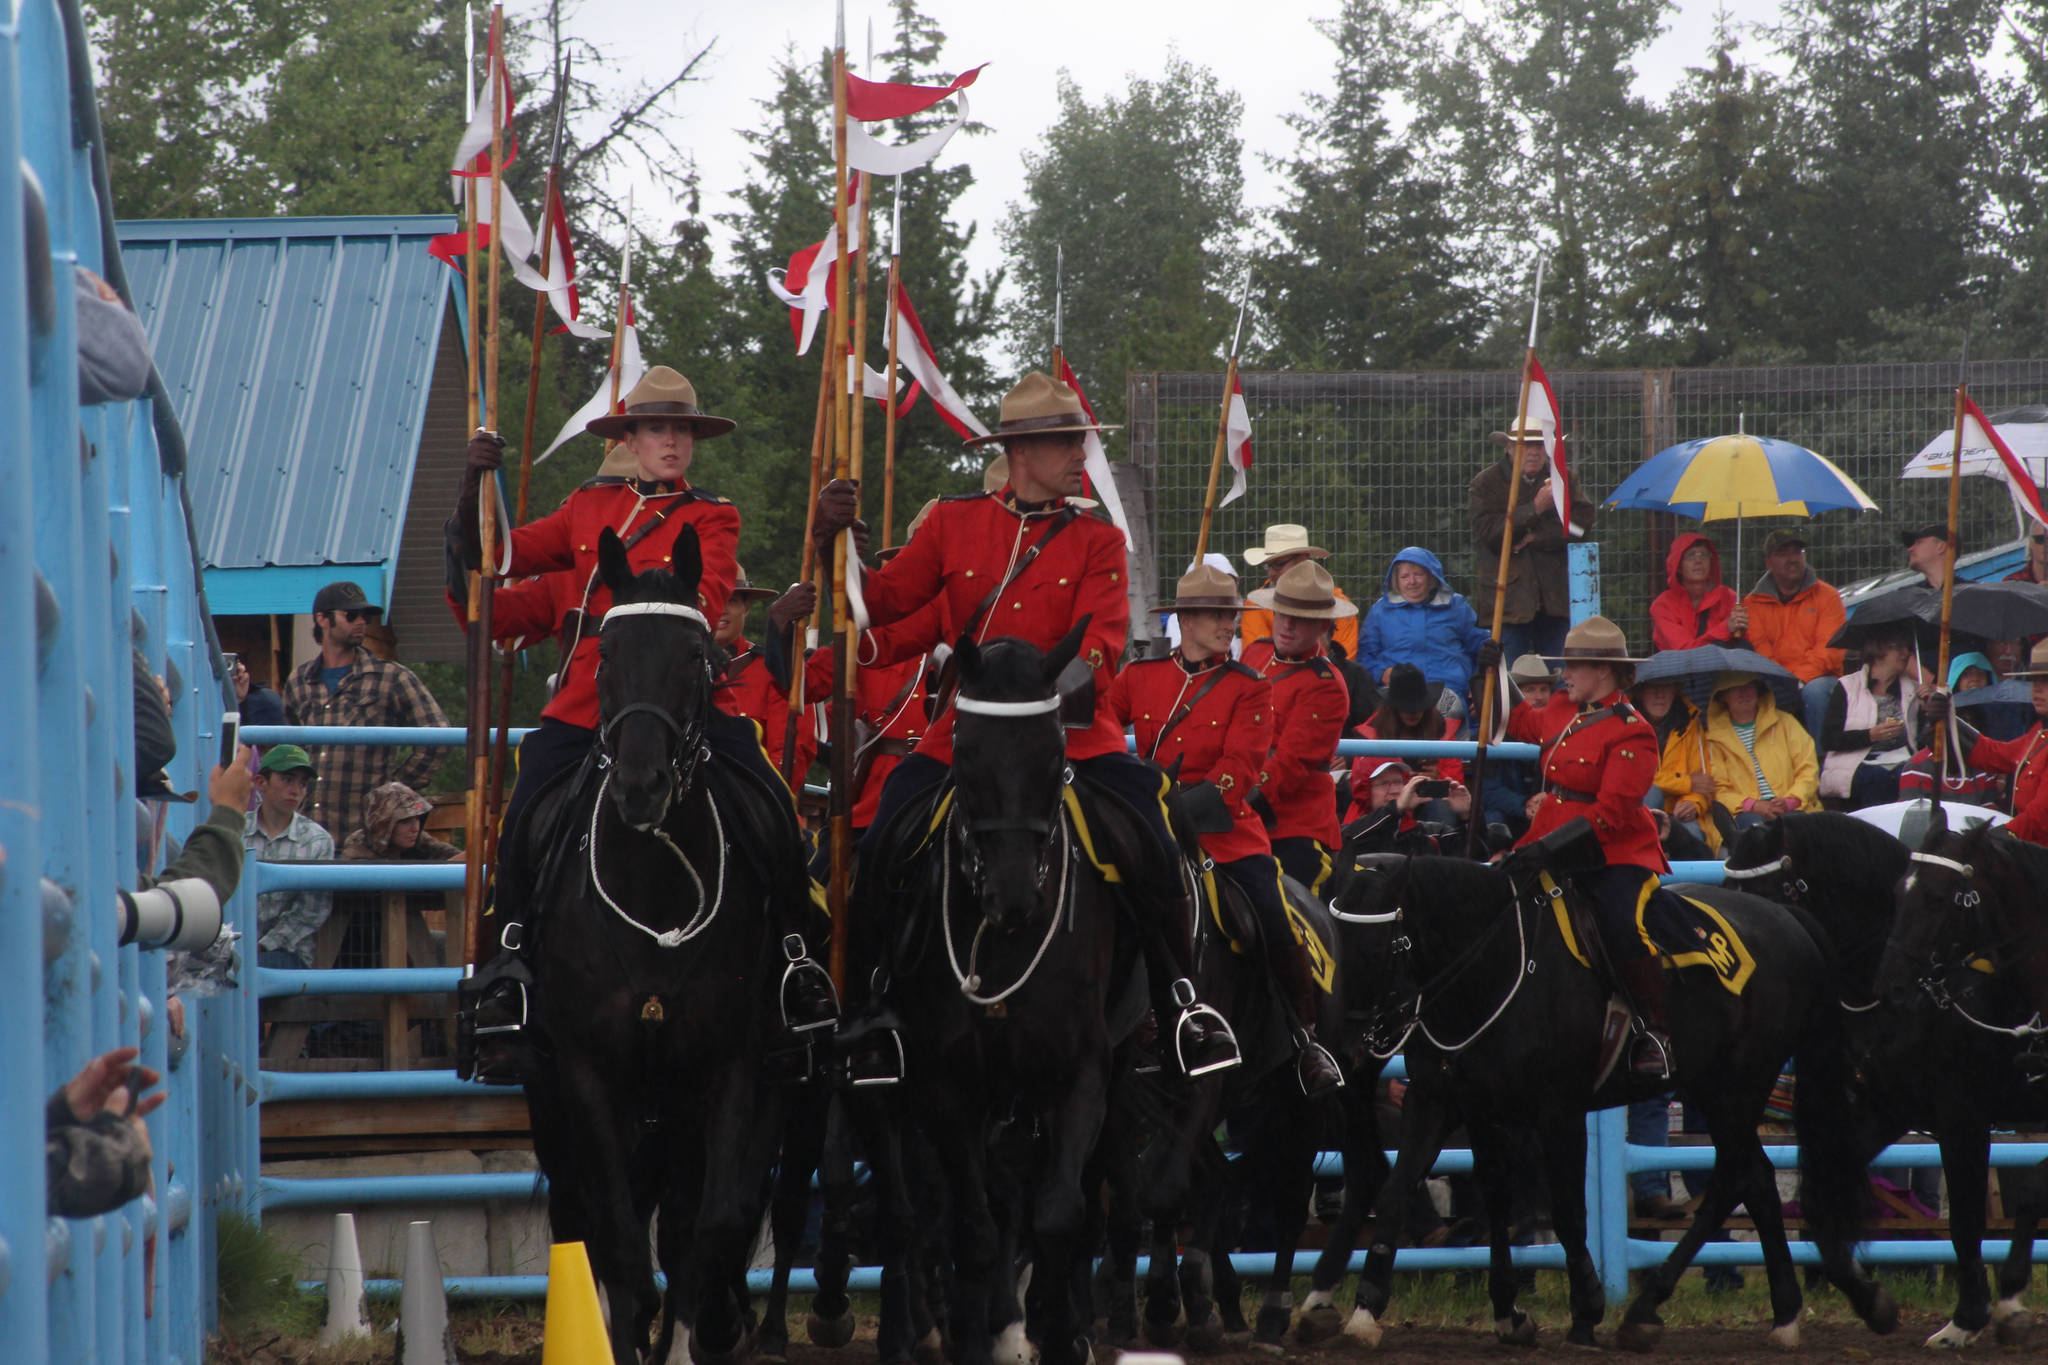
{"points": [[1144, 191], [1365, 272], [1707, 277]]}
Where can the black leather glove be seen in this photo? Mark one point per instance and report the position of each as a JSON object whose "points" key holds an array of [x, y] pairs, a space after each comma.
{"points": [[486, 453], [838, 508], [797, 603], [1486, 658], [1934, 705]]}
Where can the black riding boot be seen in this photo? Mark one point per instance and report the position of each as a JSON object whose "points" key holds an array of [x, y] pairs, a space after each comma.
{"points": [[495, 1033], [1643, 980], [1202, 1040], [1316, 1069]]}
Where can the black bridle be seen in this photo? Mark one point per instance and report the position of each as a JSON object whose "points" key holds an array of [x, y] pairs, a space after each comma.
{"points": [[1947, 981], [686, 746], [972, 866]]}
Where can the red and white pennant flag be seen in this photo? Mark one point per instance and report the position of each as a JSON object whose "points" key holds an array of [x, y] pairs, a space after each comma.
{"points": [[1980, 434], [807, 286], [1237, 442], [1543, 412], [1102, 484], [879, 101]]}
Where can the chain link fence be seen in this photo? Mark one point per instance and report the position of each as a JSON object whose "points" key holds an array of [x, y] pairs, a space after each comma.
{"points": [[1372, 462]]}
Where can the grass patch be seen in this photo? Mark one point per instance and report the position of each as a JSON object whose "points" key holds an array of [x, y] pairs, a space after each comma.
{"points": [[259, 1293]]}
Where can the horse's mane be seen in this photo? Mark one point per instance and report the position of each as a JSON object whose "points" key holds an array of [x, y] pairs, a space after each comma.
{"points": [[2029, 860], [658, 585], [1455, 881], [1838, 842]]}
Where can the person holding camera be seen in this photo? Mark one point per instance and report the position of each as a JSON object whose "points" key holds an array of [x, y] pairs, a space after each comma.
{"points": [[1382, 818]]}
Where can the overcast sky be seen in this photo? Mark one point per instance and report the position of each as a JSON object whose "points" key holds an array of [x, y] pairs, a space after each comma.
{"points": [[1269, 53]]}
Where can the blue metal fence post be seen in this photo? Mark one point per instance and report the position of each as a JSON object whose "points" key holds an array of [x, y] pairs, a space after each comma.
{"points": [[24, 1322], [1583, 557], [1607, 1199]]}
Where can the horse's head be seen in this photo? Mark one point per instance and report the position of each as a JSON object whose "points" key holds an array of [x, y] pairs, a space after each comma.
{"points": [[1945, 918], [1379, 970], [1010, 769], [1760, 863], [653, 678]]}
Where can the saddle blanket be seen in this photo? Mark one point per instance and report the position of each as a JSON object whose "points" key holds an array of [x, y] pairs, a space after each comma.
{"points": [[1682, 931]]}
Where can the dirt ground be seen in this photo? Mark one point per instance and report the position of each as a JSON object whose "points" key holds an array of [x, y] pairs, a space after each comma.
{"points": [[1437, 1322]]}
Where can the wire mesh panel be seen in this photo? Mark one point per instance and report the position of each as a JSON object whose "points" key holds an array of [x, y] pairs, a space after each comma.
{"points": [[1372, 462]]}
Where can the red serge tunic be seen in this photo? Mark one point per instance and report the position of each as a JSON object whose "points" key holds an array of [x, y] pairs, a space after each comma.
{"points": [[894, 678], [563, 545], [962, 553], [2026, 758], [1608, 760], [750, 691], [1223, 739], [1310, 704]]}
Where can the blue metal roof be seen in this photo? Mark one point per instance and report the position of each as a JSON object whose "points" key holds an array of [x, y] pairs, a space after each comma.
{"points": [[299, 352]]}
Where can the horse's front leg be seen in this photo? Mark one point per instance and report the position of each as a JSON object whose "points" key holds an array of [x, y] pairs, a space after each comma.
{"points": [[615, 1235], [1564, 1165], [2009, 1314], [1059, 1214], [1426, 1121], [1966, 1163], [956, 1130], [1289, 1178], [1493, 1169], [738, 1147], [803, 1141], [1365, 1171]]}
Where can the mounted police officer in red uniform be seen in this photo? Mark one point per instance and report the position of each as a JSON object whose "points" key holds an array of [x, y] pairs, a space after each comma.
{"points": [[1599, 761], [1310, 705], [1030, 561], [1208, 720], [643, 494]]}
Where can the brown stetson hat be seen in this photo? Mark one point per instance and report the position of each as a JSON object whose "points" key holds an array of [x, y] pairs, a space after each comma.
{"points": [[1598, 640], [744, 591], [1040, 406], [2037, 663], [1204, 588], [661, 392], [1306, 590]]}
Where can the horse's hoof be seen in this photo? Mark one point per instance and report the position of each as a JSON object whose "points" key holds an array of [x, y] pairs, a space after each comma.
{"points": [[1785, 1336], [1519, 1330], [1580, 1334], [1014, 1348], [831, 1333], [1953, 1338], [1883, 1317], [1318, 1323], [1630, 1336], [1364, 1329], [1167, 1333], [930, 1348], [1207, 1337], [1271, 1325], [2012, 1321], [1268, 1348]]}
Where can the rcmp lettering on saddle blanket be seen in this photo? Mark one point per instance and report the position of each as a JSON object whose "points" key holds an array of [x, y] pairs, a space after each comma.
{"points": [[1310, 703]]}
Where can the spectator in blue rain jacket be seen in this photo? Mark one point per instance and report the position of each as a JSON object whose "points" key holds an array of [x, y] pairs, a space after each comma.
{"points": [[1419, 620]]}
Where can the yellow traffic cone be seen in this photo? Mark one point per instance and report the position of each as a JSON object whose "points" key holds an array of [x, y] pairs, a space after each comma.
{"points": [[575, 1332]]}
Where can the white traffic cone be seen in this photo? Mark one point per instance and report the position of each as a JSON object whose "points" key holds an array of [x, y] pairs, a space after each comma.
{"points": [[423, 1305], [346, 1317]]}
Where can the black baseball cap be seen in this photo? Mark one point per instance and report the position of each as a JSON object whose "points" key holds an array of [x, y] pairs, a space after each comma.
{"points": [[1936, 529], [343, 596]]}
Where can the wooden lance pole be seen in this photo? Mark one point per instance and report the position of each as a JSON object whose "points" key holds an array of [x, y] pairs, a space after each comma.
{"points": [[1487, 699], [1948, 579], [840, 809], [1223, 421], [799, 634], [889, 411]]}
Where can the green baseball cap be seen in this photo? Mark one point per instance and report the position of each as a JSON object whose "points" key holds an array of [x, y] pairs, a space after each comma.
{"points": [[287, 758]]}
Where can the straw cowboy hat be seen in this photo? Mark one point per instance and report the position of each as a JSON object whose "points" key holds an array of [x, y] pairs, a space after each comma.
{"points": [[2037, 663], [1284, 539], [1525, 433], [661, 392], [1204, 588], [744, 591], [1598, 640], [1306, 590], [1040, 406]]}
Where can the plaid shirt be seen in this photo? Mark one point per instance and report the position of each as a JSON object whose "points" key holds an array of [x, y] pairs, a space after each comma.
{"points": [[375, 692], [288, 921]]}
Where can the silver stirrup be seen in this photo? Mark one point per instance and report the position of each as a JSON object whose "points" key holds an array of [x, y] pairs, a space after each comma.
{"points": [[1190, 1009], [1643, 1034], [490, 1030], [902, 1067], [1306, 1046], [799, 961]]}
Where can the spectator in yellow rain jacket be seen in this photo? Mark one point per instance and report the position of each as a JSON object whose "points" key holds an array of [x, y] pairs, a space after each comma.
{"points": [[1761, 759], [1682, 790]]}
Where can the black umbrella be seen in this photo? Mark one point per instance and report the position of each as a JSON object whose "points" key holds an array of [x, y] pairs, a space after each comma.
{"points": [[1987, 611], [1694, 670]]}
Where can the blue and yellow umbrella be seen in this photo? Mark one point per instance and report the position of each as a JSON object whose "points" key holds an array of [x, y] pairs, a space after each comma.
{"points": [[1718, 477]]}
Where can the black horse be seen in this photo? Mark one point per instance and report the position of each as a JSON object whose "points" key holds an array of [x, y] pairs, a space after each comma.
{"points": [[656, 979], [1012, 953], [1506, 1034], [1277, 1128], [1952, 1044]]}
